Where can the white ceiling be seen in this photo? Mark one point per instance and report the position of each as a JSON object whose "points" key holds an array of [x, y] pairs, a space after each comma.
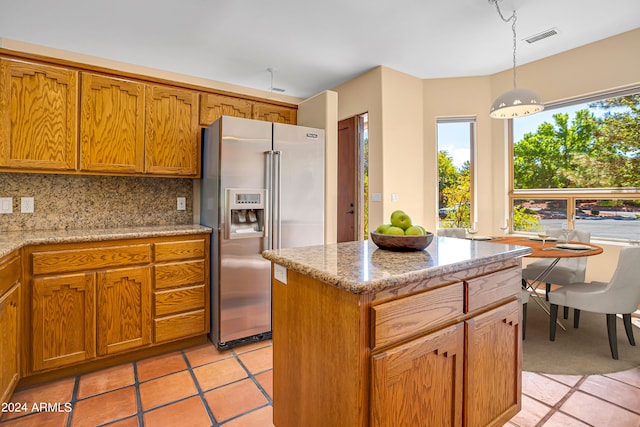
{"points": [[313, 46]]}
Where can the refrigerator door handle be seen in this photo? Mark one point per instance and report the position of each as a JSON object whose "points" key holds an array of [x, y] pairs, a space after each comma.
{"points": [[277, 219], [268, 179]]}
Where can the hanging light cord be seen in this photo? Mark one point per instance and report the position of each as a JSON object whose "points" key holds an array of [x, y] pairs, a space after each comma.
{"points": [[513, 18]]}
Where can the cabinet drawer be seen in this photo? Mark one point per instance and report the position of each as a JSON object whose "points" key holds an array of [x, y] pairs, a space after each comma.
{"points": [[180, 326], [179, 274], [186, 249], [9, 274], [178, 300], [493, 287], [66, 261], [398, 319]]}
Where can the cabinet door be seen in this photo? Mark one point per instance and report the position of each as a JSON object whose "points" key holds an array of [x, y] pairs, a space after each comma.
{"points": [[111, 125], [38, 116], [419, 383], [9, 343], [213, 106], [172, 144], [493, 366], [274, 113], [63, 320], [124, 309]]}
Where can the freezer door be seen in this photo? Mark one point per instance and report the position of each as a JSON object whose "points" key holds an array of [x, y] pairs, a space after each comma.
{"points": [[299, 210], [244, 283]]}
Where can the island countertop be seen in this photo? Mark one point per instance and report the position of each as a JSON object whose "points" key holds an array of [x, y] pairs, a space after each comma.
{"points": [[13, 240], [360, 266]]}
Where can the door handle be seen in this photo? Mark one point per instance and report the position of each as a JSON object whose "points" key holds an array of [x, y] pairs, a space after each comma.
{"points": [[350, 212]]}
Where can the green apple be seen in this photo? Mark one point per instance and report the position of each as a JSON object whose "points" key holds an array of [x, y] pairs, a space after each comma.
{"points": [[424, 231], [414, 230], [395, 231], [400, 219], [382, 229]]}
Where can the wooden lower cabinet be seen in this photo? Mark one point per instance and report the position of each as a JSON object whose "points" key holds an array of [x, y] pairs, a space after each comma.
{"points": [[125, 290], [10, 337], [412, 356]]}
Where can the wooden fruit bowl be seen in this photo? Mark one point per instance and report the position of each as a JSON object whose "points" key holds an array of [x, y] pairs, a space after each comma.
{"points": [[401, 243]]}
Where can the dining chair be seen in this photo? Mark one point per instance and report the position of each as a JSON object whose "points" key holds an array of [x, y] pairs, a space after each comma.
{"points": [[621, 295], [567, 270], [458, 233]]}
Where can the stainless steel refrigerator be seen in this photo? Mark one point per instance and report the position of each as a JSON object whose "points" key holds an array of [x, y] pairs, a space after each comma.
{"points": [[262, 188]]}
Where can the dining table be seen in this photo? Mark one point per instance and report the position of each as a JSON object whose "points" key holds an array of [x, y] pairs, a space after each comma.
{"points": [[553, 250]]}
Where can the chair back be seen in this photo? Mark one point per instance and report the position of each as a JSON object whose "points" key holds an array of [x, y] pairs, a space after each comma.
{"points": [[458, 233], [625, 284], [578, 264]]}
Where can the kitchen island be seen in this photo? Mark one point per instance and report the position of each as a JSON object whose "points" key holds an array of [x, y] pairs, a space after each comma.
{"points": [[368, 337]]}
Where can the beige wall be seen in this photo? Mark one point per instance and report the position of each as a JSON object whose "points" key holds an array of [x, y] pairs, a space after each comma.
{"points": [[321, 111]]}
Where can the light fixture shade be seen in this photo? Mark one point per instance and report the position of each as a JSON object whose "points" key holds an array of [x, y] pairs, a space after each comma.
{"points": [[516, 103]]}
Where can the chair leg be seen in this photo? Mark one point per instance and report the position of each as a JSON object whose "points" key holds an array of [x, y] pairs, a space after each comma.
{"points": [[576, 317], [547, 289], [627, 327], [524, 321], [613, 339], [552, 322], [566, 312]]}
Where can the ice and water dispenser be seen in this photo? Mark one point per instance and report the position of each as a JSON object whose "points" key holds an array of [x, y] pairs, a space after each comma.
{"points": [[245, 213]]}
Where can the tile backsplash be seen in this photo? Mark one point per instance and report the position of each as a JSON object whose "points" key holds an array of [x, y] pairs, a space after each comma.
{"points": [[85, 202]]}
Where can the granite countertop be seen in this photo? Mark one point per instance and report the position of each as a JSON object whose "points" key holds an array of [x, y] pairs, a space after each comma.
{"points": [[13, 240], [361, 267]]}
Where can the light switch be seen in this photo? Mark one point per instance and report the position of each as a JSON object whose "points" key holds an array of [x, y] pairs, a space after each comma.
{"points": [[26, 205], [182, 203], [6, 205]]}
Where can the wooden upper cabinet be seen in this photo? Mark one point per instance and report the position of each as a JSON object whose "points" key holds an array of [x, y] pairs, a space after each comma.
{"points": [[172, 132], [111, 125], [38, 116], [274, 113], [213, 106]]}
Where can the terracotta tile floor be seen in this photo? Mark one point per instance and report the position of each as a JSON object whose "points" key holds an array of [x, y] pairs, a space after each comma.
{"points": [[201, 386]]}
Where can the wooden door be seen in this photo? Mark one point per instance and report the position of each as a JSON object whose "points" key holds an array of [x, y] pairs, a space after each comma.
{"points": [[9, 342], [124, 309], [493, 366], [63, 320], [38, 116], [213, 106], [347, 180], [274, 113], [419, 383], [172, 145], [111, 125]]}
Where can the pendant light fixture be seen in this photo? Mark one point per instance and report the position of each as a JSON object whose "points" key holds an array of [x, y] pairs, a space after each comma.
{"points": [[517, 102]]}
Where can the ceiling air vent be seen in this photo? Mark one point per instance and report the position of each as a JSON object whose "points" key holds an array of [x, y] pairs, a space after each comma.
{"points": [[543, 35]]}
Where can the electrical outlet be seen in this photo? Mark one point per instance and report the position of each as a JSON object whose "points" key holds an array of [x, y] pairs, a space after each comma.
{"points": [[6, 205], [182, 203], [26, 205]]}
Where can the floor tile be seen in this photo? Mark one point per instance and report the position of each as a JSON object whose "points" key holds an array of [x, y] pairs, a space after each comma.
{"points": [[253, 346], [219, 373], [186, 413], [543, 388], [558, 419], [531, 413], [127, 422], [234, 399], [106, 380], [258, 360], [266, 381], [104, 408], [170, 388], [262, 417], [205, 353], [158, 366], [60, 391], [570, 380], [613, 391], [42, 419], [631, 376], [597, 412]]}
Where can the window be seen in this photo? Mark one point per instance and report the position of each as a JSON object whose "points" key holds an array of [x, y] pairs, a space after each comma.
{"points": [[455, 137], [577, 165]]}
